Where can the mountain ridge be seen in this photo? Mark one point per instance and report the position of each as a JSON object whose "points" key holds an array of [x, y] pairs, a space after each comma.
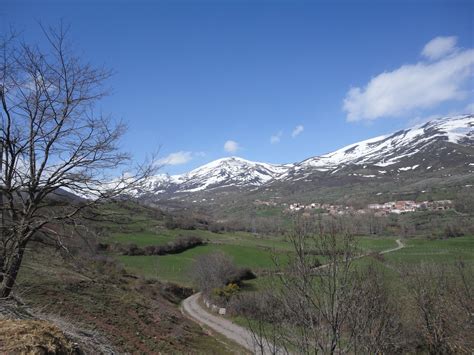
{"points": [[400, 152]]}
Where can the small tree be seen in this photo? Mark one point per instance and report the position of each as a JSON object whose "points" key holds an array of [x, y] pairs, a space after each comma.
{"points": [[213, 271], [53, 144]]}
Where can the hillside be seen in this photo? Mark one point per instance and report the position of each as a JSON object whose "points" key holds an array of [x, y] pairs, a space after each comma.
{"points": [[90, 298]]}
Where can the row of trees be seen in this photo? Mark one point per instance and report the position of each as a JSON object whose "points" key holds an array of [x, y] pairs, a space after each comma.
{"points": [[438, 224], [178, 245]]}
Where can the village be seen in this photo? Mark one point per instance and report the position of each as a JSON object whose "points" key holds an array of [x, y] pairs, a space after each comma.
{"points": [[379, 209]]}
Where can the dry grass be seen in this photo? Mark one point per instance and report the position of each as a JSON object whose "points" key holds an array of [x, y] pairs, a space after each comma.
{"points": [[33, 337]]}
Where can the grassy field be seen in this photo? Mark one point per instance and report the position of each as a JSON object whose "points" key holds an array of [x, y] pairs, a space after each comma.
{"points": [[246, 250], [439, 250], [160, 237], [257, 251], [177, 267]]}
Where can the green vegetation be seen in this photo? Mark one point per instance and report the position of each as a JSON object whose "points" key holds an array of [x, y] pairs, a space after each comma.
{"points": [[376, 244], [255, 251], [246, 250], [176, 267], [438, 250], [143, 239], [49, 278]]}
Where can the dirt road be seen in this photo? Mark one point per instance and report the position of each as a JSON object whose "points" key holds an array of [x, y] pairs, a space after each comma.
{"points": [[234, 332], [399, 246]]}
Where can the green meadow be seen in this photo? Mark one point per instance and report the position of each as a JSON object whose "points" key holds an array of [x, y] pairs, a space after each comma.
{"points": [[246, 250], [437, 250], [258, 252]]}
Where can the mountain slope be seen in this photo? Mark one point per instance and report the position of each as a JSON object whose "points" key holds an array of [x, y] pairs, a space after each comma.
{"points": [[225, 172], [391, 149], [437, 149]]}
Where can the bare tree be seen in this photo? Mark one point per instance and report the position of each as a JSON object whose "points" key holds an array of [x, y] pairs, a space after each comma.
{"points": [[442, 307], [374, 325], [212, 271], [316, 298], [52, 144]]}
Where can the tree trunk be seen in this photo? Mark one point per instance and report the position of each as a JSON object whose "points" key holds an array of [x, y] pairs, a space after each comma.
{"points": [[2, 269], [11, 272]]}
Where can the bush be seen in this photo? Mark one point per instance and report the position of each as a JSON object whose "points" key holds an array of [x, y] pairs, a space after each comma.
{"points": [[261, 305], [226, 292], [241, 274], [452, 231], [175, 293], [177, 246], [133, 249], [102, 247]]}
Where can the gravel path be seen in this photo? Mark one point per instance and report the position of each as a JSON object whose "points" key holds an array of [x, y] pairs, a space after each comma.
{"points": [[191, 307], [399, 246], [234, 332]]}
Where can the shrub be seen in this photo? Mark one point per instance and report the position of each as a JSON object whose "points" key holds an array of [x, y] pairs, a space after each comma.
{"points": [[175, 293], [452, 231], [133, 249], [226, 292], [241, 274], [177, 246], [102, 247]]}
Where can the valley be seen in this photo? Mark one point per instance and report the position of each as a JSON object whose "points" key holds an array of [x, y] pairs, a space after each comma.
{"points": [[147, 246], [236, 177]]}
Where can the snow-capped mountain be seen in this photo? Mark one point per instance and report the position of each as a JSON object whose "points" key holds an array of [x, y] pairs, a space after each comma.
{"points": [[390, 149], [436, 145], [225, 172]]}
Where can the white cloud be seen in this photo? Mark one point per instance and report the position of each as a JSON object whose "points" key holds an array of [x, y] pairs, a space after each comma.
{"points": [[297, 131], [276, 138], [439, 47], [411, 87], [231, 146], [177, 158]]}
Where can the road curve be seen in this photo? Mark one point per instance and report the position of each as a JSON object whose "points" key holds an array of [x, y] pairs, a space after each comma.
{"points": [[240, 335], [399, 246], [191, 307]]}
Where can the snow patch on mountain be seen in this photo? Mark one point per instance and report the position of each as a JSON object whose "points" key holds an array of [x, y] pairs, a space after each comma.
{"points": [[232, 171], [390, 149]]}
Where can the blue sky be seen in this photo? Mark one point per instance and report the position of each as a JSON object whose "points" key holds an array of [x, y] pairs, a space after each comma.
{"points": [[278, 81]]}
